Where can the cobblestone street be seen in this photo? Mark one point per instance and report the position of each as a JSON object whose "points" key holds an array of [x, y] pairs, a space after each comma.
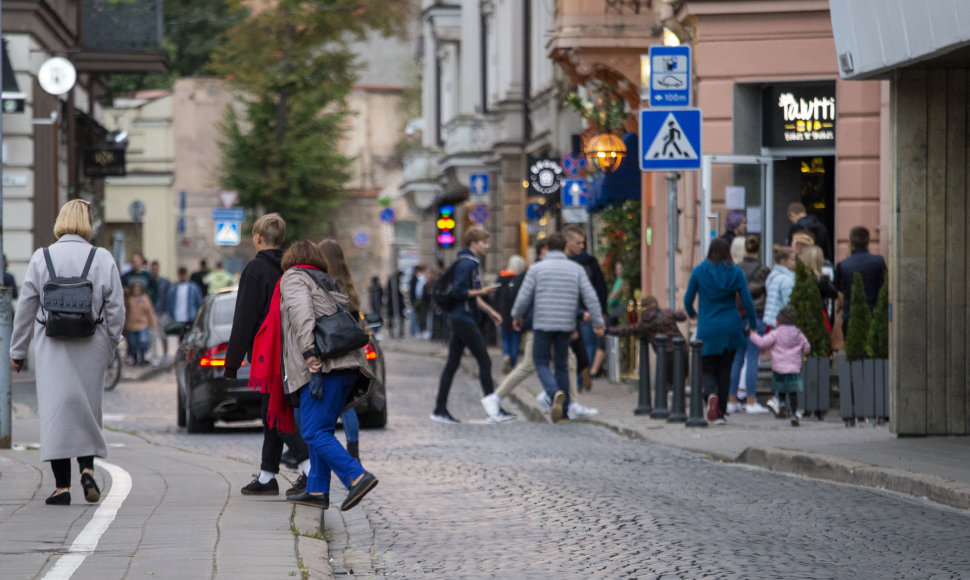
{"points": [[526, 499]]}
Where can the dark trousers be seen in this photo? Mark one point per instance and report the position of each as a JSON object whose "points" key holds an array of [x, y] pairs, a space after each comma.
{"points": [[464, 333], [717, 377], [556, 379], [273, 440], [62, 469]]}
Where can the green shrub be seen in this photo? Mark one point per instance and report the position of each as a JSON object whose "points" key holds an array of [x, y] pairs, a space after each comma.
{"points": [[809, 318], [878, 338], [860, 319]]}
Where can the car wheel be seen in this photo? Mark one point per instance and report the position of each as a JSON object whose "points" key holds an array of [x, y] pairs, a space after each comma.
{"points": [[376, 420], [180, 418], [196, 425]]}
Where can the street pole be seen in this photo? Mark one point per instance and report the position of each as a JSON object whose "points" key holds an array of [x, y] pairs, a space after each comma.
{"points": [[672, 177], [6, 323]]}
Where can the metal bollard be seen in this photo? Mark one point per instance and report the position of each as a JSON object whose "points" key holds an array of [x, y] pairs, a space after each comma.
{"points": [[696, 418], [643, 402], [660, 382], [677, 414]]}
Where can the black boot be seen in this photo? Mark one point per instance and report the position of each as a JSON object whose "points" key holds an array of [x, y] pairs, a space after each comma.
{"points": [[353, 449]]}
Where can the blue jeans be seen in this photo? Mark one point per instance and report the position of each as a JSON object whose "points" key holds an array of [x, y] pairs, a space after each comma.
{"points": [[318, 421], [138, 341], [510, 344], [589, 338], [750, 355], [558, 342], [351, 425]]}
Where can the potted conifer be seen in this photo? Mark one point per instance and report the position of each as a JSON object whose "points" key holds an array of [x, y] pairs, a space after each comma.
{"points": [[878, 348], [856, 395], [810, 319]]}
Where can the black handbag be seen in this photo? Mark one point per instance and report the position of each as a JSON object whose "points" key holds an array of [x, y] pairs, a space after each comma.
{"points": [[338, 333]]}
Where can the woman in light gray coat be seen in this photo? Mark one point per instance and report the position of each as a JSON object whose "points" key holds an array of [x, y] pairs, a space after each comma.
{"points": [[70, 372]]}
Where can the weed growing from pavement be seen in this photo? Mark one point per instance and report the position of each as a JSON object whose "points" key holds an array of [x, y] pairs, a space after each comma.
{"points": [[125, 431]]}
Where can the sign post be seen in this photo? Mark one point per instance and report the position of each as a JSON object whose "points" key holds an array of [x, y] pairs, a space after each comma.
{"points": [[228, 226], [670, 140]]}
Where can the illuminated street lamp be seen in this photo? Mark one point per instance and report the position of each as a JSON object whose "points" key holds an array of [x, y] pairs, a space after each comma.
{"points": [[605, 151]]}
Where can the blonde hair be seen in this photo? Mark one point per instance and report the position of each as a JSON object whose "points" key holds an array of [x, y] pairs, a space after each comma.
{"points": [[516, 264], [272, 227], [783, 253], [74, 218], [813, 258], [737, 249]]}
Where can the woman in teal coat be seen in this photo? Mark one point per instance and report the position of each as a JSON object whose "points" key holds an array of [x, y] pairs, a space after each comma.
{"points": [[718, 284]]}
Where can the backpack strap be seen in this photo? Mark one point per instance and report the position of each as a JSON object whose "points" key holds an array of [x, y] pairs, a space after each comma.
{"points": [[50, 264], [87, 265]]}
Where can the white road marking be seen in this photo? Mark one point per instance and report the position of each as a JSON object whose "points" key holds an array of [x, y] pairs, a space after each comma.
{"points": [[113, 417], [87, 540]]}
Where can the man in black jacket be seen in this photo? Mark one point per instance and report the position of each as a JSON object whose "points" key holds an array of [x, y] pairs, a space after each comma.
{"points": [[801, 220], [593, 346], [872, 268], [256, 285]]}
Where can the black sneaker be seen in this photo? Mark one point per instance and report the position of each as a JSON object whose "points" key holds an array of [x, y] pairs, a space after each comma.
{"points": [[312, 500], [63, 498], [256, 488], [444, 417], [289, 460], [299, 486], [359, 490]]}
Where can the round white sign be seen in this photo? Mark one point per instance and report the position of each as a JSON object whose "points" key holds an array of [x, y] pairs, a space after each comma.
{"points": [[57, 75]]}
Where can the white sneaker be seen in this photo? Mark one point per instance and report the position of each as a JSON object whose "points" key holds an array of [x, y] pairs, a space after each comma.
{"points": [[579, 412], [755, 408], [544, 402], [734, 408], [491, 404], [775, 407]]}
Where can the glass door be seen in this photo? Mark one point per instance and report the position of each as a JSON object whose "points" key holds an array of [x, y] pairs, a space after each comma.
{"points": [[740, 185]]}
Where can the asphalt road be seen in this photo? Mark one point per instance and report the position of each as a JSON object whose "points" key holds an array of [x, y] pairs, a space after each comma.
{"points": [[526, 499]]}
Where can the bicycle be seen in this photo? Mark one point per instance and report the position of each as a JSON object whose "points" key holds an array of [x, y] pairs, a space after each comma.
{"points": [[112, 373]]}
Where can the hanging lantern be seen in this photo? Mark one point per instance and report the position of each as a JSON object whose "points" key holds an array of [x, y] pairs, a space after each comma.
{"points": [[605, 151]]}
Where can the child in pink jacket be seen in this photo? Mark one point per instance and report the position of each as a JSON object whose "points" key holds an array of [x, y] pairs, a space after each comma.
{"points": [[787, 345]]}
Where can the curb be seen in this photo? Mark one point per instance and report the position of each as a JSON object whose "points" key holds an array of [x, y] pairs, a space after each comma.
{"points": [[826, 467]]}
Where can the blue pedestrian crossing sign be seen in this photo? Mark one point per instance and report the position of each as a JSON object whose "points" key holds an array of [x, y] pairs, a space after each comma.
{"points": [[227, 233], [478, 184], [670, 139], [575, 193]]}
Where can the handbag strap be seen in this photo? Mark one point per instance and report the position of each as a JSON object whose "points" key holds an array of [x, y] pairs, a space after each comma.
{"points": [[84, 273], [340, 307]]}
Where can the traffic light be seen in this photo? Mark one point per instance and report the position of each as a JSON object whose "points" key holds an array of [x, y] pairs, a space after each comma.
{"points": [[446, 226]]}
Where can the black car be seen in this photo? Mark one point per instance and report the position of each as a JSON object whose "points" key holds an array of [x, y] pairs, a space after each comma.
{"points": [[205, 395]]}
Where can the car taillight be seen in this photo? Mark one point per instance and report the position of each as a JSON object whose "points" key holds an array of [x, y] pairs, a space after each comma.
{"points": [[370, 353], [216, 356]]}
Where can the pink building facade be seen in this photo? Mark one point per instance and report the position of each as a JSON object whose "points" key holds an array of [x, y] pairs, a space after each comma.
{"points": [[767, 81]]}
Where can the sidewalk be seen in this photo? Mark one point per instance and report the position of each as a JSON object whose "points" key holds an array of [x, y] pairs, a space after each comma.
{"points": [[172, 513], [937, 468]]}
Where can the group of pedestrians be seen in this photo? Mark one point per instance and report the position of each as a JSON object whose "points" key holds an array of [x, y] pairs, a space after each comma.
{"points": [[281, 295], [552, 299], [743, 309]]}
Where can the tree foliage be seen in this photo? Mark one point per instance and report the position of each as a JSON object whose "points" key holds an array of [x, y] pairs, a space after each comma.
{"points": [[809, 317], [860, 319], [192, 29], [878, 338], [620, 242], [294, 64]]}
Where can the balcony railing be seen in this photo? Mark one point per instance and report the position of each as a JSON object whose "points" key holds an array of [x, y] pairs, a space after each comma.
{"points": [[124, 26]]}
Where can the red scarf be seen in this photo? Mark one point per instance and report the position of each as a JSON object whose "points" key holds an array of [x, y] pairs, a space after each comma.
{"points": [[266, 373]]}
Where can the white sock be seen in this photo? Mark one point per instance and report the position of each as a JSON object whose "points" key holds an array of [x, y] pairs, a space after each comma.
{"points": [[305, 466], [266, 477]]}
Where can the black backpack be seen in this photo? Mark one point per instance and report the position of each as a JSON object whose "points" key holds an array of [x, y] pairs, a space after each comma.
{"points": [[441, 293], [68, 301]]}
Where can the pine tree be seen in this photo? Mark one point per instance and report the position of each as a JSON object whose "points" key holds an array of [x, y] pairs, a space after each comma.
{"points": [[878, 338], [293, 65], [860, 319], [809, 317]]}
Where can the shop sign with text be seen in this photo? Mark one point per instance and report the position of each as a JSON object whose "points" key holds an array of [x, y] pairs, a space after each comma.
{"points": [[799, 116], [104, 162]]}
